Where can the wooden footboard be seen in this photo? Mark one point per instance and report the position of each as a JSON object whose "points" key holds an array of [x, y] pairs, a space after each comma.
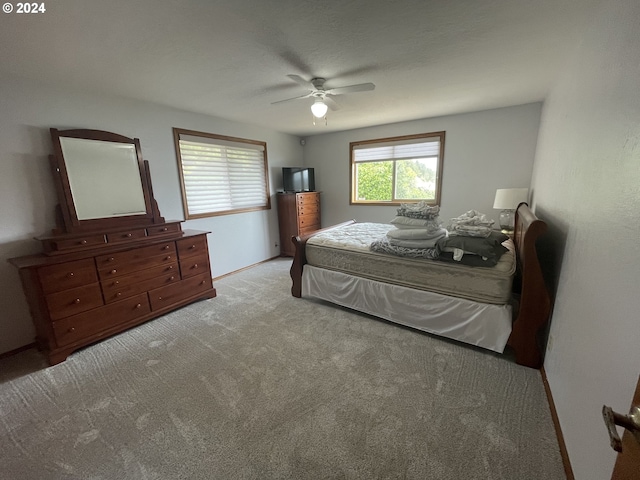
{"points": [[300, 258], [535, 301]]}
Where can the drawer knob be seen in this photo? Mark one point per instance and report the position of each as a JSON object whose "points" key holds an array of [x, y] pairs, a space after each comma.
{"points": [[168, 257], [117, 282], [165, 229], [71, 329], [159, 298], [192, 246], [119, 294], [128, 235], [172, 277], [166, 247], [77, 300], [83, 242], [71, 274], [203, 282], [170, 267], [111, 259], [113, 271], [195, 265], [139, 305]]}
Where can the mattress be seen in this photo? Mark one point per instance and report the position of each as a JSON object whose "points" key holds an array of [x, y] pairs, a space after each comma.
{"points": [[346, 249]]}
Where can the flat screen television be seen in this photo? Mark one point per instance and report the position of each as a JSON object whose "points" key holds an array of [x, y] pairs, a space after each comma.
{"points": [[298, 179]]}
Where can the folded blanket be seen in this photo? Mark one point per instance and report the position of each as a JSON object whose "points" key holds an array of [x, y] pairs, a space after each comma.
{"points": [[383, 246], [419, 210], [471, 224], [470, 231], [416, 233], [408, 222], [489, 247], [419, 243]]}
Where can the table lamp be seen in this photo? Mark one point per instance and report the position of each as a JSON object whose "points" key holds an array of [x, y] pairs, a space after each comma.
{"points": [[507, 200]]}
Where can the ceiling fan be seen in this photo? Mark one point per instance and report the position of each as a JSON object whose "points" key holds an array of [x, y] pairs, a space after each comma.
{"points": [[322, 97]]}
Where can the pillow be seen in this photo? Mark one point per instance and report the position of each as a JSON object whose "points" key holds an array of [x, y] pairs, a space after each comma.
{"points": [[490, 247]]}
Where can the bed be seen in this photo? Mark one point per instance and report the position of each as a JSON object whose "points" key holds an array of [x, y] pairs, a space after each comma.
{"points": [[487, 307]]}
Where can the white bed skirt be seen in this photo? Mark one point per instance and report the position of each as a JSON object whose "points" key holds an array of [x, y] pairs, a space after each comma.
{"points": [[481, 324]]}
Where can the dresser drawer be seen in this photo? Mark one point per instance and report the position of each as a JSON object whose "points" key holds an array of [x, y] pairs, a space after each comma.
{"points": [[123, 263], [166, 296], [191, 246], [126, 236], [76, 300], [78, 242], [195, 265], [163, 229], [125, 286], [55, 278], [89, 323]]}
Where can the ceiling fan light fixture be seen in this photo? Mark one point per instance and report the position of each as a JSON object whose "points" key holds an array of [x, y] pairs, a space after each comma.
{"points": [[319, 108]]}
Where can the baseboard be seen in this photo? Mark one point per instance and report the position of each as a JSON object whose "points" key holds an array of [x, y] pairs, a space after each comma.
{"points": [[246, 268], [11, 353], [556, 423]]}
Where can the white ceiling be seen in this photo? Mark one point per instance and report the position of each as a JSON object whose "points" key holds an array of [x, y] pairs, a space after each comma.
{"points": [[230, 58]]}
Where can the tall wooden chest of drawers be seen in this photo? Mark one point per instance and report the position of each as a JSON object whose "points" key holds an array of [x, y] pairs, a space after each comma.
{"points": [[79, 298], [298, 213]]}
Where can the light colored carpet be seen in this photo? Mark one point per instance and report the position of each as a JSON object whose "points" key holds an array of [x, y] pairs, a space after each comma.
{"points": [[256, 384]]}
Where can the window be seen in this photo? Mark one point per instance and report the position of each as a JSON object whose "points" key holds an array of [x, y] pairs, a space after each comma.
{"points": [[221, 175], [396, 170]]}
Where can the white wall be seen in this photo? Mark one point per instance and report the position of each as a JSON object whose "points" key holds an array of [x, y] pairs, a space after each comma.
{"points": [[483, 151], [586, 185], [27, 196]]}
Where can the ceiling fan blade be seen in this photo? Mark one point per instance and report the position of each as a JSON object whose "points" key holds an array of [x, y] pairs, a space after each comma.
{"points": [[361, 87], [294, 98], [301, 81], [331, 103]]}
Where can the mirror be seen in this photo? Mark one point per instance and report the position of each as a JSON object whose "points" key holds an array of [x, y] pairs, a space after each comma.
{"points": [[102, 181], [103, 177]]}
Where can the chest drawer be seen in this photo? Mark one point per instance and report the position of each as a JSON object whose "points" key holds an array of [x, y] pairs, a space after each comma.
{"points": [[308, 221], [312, 208], [76, 300], [308, 199], [55, 278], [126, 236], [312, 228], [83, 325], [166, 296], [195, 265], [125, 286], [123, 263], [191, 246]]}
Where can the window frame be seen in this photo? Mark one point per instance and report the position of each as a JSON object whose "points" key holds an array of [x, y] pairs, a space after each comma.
{"points": [[177, 132], [402, 138]]}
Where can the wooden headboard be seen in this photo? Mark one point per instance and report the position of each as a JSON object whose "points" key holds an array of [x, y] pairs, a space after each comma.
{"points": [[535, 301]]}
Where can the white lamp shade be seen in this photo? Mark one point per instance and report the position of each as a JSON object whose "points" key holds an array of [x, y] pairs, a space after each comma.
{"points": [[319, 109], [510, 198]]}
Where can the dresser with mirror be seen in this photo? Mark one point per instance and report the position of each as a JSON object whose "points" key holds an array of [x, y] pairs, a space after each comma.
{"points": [[112, 261]]}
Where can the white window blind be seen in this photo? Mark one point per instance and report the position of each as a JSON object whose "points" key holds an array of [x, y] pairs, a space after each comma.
{"points": [[390, 171], [221, 175], [397, 150]]}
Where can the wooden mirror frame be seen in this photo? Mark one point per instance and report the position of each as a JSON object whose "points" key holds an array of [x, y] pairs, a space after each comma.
{"points": [[67, 217]]}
